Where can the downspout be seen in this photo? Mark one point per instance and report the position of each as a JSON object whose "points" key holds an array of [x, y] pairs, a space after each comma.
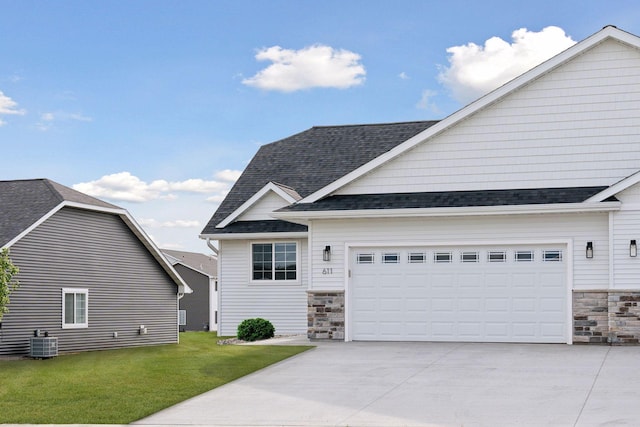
{"points": [[213, 248]]}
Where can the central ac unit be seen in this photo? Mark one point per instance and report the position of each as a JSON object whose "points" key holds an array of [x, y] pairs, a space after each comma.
{"points": [[43, 347]]}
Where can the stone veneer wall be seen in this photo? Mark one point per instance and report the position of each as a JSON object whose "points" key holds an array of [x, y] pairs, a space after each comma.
{"points": [[325, 315], [606, 317]]}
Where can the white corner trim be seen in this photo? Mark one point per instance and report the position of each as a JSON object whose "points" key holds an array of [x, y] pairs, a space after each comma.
{"points": [[481, 103], [462, 211], [616, 188], [271, 186]]}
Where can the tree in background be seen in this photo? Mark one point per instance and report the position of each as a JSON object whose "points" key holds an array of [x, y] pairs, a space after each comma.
{"points": [[7, 284]]}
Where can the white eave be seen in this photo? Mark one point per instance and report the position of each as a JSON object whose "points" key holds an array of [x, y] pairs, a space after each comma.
{"points": [[449, 212], [255, 236], [287, 193], [474, 107], [615, 188]]}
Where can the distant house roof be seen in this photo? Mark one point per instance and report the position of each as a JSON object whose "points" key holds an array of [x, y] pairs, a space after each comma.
{"points": [[207, 264], [449, 199], [312, 159], [24, 202]]}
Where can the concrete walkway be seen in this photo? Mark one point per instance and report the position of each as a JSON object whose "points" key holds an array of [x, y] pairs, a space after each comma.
{"points": [[428, 384]]}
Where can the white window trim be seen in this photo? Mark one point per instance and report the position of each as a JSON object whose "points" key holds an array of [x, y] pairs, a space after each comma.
{"points": [[75, 325], [298, 279]]}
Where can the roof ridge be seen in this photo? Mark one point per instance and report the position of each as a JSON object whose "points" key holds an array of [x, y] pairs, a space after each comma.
{"points": [[52, 188], [374, 124]]}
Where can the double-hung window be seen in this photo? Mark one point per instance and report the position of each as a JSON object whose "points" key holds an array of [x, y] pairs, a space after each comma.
{"points": [[75, 303], [274, 261]]}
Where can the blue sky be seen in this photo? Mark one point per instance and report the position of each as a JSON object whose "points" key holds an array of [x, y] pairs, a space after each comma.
{"points": [[156, 106]]}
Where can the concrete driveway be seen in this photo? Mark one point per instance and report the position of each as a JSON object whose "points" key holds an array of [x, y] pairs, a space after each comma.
{"points": [[428, 384]]}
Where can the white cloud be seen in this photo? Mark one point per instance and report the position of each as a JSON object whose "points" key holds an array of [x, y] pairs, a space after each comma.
{"points": [[127, 187], [426, 103], [179, 223], [403, 76], [47, 119], [9, 106], [476, 70], [313, 66], [228, 175]]}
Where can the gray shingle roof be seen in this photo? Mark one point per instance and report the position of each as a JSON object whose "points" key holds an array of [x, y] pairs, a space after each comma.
{"points": [[24, 202], [311, 160], [449, 199], [205, 263]]}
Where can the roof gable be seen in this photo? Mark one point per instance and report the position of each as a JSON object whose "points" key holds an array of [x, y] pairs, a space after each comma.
{"points": [[607, 33], [283, 193], [25, 202], [313, 159]]}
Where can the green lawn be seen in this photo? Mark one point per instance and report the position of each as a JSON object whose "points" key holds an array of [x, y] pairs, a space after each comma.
{"points": [[121, 386]]}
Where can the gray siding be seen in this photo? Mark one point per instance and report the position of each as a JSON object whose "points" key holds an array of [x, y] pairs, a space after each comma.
{"points": [[197, 303], [95, 251]]}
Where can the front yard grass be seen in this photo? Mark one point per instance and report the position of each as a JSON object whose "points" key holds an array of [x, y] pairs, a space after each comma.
{"points": [[122, 386]]}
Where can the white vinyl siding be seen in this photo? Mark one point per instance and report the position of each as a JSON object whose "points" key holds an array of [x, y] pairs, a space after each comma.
{"points": [[282, 303], [578, 228], [575, 126], [261, 210], [626, 227]]}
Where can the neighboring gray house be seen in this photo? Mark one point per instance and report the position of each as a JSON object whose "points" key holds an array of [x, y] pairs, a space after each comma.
{"points": [[198, 310], [88, 274], [515, 219]]}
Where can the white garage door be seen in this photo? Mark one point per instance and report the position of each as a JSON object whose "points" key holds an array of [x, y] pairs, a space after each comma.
{"points": [[478, 294]]}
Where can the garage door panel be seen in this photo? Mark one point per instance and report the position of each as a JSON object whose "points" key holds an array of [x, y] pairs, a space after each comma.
{"points": [[497, 305], [525, 305], [508, 301]]}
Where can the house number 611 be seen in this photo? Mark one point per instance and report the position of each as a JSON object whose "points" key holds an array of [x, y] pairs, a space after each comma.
{"points": [[327, 271]]}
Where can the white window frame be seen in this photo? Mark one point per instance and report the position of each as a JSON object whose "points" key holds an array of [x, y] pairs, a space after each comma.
{"points": [[469, 257], [391, 258], [362, 256], [437, 257], [75, 291], [547, 255], [491, 256], [417, 257], [273, 262], [517, 256]]}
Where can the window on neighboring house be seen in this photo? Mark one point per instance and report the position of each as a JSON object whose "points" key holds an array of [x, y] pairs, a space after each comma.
{"points": [[274, 261], [75, 303]]}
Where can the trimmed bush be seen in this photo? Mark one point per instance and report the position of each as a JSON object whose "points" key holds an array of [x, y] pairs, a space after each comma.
{"points": [[255, 329]]}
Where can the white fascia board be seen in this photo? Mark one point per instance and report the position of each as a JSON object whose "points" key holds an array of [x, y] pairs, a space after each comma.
{"points": [[474, 107], [615, 188], [448, 212], [254, 236], [246, 205]]}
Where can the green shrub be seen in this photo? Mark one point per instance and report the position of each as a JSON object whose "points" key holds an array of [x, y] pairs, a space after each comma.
{"points": [[255, 329]]}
